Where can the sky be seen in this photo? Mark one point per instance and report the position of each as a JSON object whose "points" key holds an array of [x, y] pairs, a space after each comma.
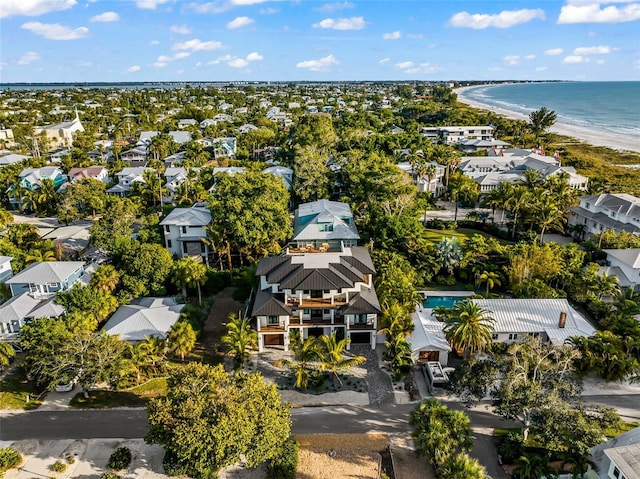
{"points": [[307, 40]]}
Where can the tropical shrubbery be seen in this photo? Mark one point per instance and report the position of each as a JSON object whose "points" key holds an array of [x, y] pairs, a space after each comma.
{"points": [[284, 465], [9, 458], [119, 459]]}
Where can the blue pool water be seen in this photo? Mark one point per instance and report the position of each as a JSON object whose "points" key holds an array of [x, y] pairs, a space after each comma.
{"points": [[446, 301]]}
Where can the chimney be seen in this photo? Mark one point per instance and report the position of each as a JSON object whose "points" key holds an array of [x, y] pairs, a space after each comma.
{"points": [[562, 322]]}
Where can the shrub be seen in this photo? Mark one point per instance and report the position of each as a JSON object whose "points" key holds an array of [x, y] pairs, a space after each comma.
{"points": [[120, 459], [109, 475], [9, 458], [511, 447], [284, 466], [171, 465], [58, 466]]}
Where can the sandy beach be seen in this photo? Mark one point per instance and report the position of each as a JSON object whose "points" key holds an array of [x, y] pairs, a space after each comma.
{"points": [[616, 142]]}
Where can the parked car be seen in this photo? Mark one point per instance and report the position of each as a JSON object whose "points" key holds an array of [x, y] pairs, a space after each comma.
{"points": [[65, 388]]}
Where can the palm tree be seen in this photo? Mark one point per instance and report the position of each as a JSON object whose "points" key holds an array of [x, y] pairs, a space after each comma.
{"points": [[461, 466], [181, 339], [461, 188], [491, 278], [607, 285], [498, 198], [533, 466], [241, 338], [39, 256], [188, 272], [331, 356], [157, 349], [303, 367], [468, 327], [105, 278], [519, 200], [136, 358], [449, 253], [547, 214], [6, 354], [541, 120]]}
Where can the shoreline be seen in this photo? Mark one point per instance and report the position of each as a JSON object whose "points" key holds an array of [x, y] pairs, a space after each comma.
{"points": [[594, 138]]}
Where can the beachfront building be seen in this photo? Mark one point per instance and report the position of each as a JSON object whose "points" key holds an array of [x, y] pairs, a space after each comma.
{"points": [[624, 264], [452, 135], [323, 284], [609, 211], [490, 171]]}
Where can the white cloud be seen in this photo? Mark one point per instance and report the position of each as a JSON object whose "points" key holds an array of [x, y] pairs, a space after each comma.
{"points": [[334, 7], [28, 57], [541, 69], [554, 51], [239, 22], [320, 65], [403, 65], [575, 59], [181, 29], [384, 60], [32, 8], [268, 11], [392, 36], [353, 23], [149, 4], [594, 12], [254, 57], [504, 19], [164, 60], [133, 68], [600, 62], [105, 17], [55, 31], [154, 42], [238, 63], [599, 50], [415, 35], [530, 57], [160, 64], [220, 6], [181, 55], [511, 59], [196, 45]]}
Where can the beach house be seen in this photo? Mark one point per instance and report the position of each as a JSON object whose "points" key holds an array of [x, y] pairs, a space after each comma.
{"points": [[608, 211], [184, 231]]}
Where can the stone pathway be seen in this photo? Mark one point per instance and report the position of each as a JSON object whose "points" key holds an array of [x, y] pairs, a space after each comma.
{"points": [[378, 382]]}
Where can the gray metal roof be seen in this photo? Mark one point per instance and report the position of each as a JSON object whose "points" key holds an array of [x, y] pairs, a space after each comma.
{"points": [[629, 256], [364, 302], [624, 450], [46, 309], [308, 216], [146, 317], [266, 304], [46, 272], [195, 216], [17, 308]]}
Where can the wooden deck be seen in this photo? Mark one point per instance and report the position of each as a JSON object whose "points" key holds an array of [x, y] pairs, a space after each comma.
{"points": [[315, 303]]}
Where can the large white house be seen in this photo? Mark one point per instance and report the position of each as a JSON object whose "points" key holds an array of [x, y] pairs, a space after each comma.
{"points": [[60, 135], [618, 458], [624, 264], [185, 232], [609, 211], [452, 135]]}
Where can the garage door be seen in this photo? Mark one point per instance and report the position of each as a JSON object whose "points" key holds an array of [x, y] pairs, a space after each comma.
{"points": [[360, 338], [274, 340]]}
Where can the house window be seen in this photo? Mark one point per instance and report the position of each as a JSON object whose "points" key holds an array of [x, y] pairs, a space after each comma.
{"points": [[360, 319], [202, 248], [166, 228], [326, 311], [513, 336], [184, 247], [325, 226], [53, 285], [184, 230], [168, 243], [273, 320], [494, 336], [616, 472]]}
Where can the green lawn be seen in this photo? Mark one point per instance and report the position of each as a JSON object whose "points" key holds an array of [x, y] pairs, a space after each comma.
{"points": [[137, 396], [14, 390], [463, 234]]}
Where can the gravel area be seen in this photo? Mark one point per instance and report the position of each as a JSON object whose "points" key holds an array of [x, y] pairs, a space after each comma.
{"points": [[378, 382]]}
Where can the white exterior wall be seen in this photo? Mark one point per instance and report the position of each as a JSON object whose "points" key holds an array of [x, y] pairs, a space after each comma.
{"points": [[174, 234]]}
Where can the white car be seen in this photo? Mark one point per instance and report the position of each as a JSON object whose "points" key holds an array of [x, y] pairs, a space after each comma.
{"points": [[65, 388]]}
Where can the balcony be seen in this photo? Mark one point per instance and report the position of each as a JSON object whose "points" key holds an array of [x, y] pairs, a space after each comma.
{"points": [[367, 325], [297, 248], [271, 328], [295, 322], [316, 303]]}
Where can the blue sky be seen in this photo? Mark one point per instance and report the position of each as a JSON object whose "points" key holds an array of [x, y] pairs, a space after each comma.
{"points": [[221, 40]]}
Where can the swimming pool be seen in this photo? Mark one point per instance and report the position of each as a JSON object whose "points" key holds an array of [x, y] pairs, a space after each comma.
{"points": [[446, 301]]}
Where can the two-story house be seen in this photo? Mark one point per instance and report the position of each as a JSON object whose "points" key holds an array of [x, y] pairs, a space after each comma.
{"points": [[323, 284], [609, 211], [6, 271], [31, 179], [185, 234], [624, 264], [60, 135], [125, 178], [452, 135]]}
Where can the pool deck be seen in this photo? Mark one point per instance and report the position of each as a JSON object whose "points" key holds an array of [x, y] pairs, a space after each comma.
{"points": [[457, 294]]}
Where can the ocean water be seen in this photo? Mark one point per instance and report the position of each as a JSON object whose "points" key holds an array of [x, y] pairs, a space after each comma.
{"points": [[612, 107]]}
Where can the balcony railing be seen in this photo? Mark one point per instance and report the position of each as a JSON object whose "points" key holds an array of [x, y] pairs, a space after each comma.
{"points": [[367, 325], [271, 327], [316, 303], [296, 322]]}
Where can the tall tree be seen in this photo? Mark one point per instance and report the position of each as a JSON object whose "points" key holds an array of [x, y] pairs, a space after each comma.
{"points": [[210, 419], [468, 327], [461, 188], [7, 353], [241, 338], [181, 339], [188, 272], [541, 120], [331, 356], [105, 278]]}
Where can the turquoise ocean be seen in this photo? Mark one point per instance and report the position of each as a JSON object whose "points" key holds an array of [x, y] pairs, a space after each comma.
{"points": [[612, 107]]}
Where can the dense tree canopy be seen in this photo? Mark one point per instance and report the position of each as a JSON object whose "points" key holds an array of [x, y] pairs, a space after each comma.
{"points": [[210, 419]]}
